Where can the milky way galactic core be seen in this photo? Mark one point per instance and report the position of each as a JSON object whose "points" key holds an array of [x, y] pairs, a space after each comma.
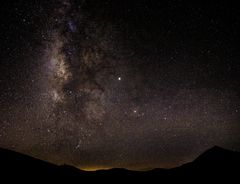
{"points": [[103, 84]]}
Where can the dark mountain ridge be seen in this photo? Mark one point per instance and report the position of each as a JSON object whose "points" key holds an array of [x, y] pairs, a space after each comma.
{"points": [[216, 164]]}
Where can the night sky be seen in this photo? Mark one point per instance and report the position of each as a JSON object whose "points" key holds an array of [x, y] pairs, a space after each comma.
{"points": [[133, 84]]}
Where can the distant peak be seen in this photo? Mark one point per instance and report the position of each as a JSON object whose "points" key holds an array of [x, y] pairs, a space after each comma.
{"points": [[215, 153], [216, 148]]}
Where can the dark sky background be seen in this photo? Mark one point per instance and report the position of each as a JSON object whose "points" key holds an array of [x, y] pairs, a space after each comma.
{"points": [[135, 84]]}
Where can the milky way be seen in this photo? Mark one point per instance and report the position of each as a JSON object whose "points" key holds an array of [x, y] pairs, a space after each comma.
{"points": [[109, 84]]}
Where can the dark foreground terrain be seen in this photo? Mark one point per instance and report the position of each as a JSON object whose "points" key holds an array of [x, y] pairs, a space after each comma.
{"points": [[216, 164]]}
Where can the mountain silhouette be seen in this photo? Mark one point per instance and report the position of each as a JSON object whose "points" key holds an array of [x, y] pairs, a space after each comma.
{"points": [[215, 164]]}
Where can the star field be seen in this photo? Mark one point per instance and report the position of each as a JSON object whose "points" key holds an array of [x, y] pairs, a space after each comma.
{"points": [[104, 84]]}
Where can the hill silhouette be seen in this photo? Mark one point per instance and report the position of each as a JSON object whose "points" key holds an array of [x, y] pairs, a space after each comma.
{"points": [[215, 164]]}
